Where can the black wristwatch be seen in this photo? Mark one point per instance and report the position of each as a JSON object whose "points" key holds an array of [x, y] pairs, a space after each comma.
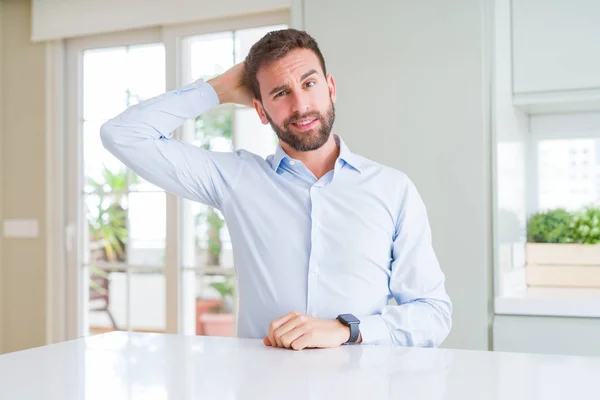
{"points": [[352, 322]]}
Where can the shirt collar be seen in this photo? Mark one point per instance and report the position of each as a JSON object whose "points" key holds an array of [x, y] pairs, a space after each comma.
{"points": [[278, 157], [346, 155]]}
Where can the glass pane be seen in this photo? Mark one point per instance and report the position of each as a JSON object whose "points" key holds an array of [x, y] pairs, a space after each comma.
{"points": [[104, 83], [252, 135], [569, 173], [105, 172], [210, 55], [111, 308], [99, 164], [245, 38], [209, 301], [106, 218], [146, 72], [205, 239], [214, 130], [114, 78], [147, 228], [106, 300], [148, 302], [136, 73]]}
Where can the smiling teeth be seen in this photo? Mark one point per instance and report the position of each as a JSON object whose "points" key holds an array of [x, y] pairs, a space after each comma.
{"points": [[303, 123]]}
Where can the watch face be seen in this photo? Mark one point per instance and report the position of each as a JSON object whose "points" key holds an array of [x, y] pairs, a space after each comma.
{"points": [[349, 318]]}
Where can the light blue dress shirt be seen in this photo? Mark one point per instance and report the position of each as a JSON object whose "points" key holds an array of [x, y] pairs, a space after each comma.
{"points": [[346, 243]]}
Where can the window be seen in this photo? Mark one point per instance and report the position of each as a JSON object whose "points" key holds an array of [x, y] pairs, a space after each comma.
{"points": [[568, 184]]}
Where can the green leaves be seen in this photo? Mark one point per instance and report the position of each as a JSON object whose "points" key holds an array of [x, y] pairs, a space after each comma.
{"points": [[224, 288], [108, 224], [586, 226], [214, 124], [551, 226], [561, 226]]}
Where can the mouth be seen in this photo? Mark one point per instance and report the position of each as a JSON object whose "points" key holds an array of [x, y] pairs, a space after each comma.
{"points": [[304, 124]]}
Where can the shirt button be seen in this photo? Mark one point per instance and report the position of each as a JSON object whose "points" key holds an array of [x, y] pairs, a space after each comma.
{"points": [[292, 162], [316, 270]]}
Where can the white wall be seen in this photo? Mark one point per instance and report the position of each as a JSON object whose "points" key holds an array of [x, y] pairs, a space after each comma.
{"points": [[413, 94], [556, 45], [54, 19]]}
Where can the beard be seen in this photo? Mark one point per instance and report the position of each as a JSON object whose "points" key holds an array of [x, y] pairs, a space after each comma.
{"points": [[308, 140]]}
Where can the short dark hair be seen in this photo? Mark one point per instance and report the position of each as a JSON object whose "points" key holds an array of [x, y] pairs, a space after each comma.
{"points": [[274, 46]]}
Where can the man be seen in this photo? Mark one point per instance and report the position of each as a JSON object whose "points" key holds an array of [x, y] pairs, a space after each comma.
{"points": [[322, 238]]}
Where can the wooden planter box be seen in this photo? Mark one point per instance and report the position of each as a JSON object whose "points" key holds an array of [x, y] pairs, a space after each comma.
{"points": [[563, 265]]}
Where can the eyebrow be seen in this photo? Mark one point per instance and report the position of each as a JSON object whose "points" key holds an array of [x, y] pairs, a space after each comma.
{"points": [[281, 87]]}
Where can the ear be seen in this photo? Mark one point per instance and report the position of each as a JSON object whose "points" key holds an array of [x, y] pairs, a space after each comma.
{"points": [[331, 85], [260, 111]]}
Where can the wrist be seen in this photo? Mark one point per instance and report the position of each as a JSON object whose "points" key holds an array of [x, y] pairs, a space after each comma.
{"points": [[219, 88], [351, 323], [344, 331]]}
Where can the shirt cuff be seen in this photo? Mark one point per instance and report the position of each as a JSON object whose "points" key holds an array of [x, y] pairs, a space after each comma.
{"points": [[374, 330], [208, 92], [204, 96]]}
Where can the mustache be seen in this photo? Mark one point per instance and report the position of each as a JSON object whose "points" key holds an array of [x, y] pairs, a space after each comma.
{"points": [[296, 116]]}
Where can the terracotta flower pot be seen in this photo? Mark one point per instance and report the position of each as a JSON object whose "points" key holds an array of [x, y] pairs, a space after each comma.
{"points": [[204, 306], [215, 324]]}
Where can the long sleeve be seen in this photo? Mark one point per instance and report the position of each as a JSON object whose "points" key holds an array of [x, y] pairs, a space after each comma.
{"points": [[142, 138], [422, 317]]}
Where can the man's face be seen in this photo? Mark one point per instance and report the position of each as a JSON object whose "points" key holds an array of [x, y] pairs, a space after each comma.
{"points": [[297, 100]]}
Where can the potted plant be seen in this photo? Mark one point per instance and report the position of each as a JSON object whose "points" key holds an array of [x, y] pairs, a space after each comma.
{"points": [[563, 248], [220, 321]]}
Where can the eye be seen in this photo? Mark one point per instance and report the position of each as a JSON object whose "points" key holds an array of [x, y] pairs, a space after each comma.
{"points": [[310, 83], [280, 94]]}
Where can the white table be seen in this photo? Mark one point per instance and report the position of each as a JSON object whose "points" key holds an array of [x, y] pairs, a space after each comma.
{"points": [[151, 366]]}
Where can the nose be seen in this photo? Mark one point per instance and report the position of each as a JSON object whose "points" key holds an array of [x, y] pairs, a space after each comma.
{"points": [[300, 102]]}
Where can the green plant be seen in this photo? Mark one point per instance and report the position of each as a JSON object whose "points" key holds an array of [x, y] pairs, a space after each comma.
{"points": [[585, 226], [107, 223], [552, 226], [225, 290], [215, 224], [214, 124]]}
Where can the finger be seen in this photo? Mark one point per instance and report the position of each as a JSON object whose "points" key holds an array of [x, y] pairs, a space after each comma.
{"points": [[287, 327], [288, 338], [266, 341], [277, 323], [303, 342]]}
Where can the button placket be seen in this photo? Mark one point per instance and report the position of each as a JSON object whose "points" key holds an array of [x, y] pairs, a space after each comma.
{"points": [[313, 273]]}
